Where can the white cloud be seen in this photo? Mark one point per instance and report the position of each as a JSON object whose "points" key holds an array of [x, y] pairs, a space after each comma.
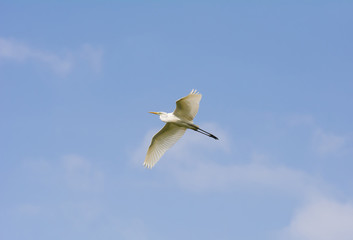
{"points": [[206, 176], [37, 165], [300, 120], [81, 210], [81, 213], [321, 220], [318, 219], [13, 50], [78, 172], [323, 143], [61, 64], [81, 175], [93, 56], [27, 209], [326, 144], [200, 165], [132, 229]]}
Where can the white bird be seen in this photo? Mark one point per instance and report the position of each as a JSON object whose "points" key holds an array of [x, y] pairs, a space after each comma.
{"points": [[176, 124]]}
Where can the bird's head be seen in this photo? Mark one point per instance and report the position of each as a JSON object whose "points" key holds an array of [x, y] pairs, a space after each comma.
{"points": [[162, 115], [157, 113]]}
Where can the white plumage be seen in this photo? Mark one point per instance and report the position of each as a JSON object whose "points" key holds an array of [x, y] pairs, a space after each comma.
{"points": [[187, 107], [176, 124]]}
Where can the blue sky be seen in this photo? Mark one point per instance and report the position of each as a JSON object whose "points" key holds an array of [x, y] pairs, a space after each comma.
{"points": [[77, 81]]}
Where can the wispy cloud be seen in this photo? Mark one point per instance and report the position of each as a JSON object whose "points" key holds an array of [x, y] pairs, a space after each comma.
{"points": [[199, 165], [320, 216], [323, 143], [60, 63], [80, 174], [27, 209], [73, 197], [13, 50], [216, 177], [93, 56], [322, 219], [134, 229], [326, 144], [300, 120]]}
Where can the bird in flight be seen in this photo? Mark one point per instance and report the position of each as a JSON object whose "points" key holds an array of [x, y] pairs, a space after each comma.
{"points": [[176, 124]]}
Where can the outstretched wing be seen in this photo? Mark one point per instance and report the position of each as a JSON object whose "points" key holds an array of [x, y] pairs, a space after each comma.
{"points": [[161, 142], [187, 107]]}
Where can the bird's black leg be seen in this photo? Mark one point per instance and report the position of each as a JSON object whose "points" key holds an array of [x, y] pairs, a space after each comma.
{"points": [[197, 129], [206, 133]]}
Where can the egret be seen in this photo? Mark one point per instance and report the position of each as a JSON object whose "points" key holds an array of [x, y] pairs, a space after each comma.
{"points": [[176, 124]]}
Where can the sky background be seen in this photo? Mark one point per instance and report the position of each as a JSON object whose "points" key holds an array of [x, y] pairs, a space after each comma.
{"points": [[77, 81]]}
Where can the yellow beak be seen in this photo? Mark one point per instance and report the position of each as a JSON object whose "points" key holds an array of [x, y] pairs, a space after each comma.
{"points": [[154, 112]]}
